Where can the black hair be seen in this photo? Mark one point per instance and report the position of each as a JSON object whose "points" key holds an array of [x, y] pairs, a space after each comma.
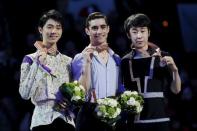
{"points": [[95, 15], [51, 14], [137, 20]]}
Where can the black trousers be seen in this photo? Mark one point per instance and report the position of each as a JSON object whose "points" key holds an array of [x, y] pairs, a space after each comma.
{"points": [[57, 125]]}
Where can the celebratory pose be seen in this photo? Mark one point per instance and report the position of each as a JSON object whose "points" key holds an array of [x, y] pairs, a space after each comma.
{"points": [[43, 72], [97, 68], [149, 71]]}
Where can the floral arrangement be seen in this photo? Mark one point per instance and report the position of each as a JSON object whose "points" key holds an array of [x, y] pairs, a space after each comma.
{"points": [[131, 101], [73, 91], [108, 110], [71, 94]]}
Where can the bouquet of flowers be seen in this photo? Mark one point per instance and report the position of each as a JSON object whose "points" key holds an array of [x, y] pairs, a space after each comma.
{"points": [[71, 94], [108, 110], [131, 101], [73, 91]]}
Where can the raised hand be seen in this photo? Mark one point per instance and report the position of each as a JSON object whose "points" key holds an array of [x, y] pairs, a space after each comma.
{"points": [[87, 53], [169, 62], [42, 52]]}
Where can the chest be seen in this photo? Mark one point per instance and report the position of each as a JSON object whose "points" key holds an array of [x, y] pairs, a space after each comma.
{"points": [[59, 66], [144, 75]]}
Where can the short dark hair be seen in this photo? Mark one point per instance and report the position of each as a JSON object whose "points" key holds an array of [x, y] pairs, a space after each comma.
{"points": [[51, 14], [137, 20], [95, 15]]}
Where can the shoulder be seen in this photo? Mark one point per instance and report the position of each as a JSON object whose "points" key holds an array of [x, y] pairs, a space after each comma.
{"points": [[128, 56], [117, 59], [116, 56], [32, 55], [113, 54], [29, 58], [78, 57], [66, 58]]}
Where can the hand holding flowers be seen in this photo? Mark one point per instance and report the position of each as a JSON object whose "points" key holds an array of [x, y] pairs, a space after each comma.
{"points": [[71, 94]]}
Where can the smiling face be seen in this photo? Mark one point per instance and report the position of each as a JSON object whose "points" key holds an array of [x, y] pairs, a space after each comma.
{"points": [[139, 37], [51, 32], [97, 31]]}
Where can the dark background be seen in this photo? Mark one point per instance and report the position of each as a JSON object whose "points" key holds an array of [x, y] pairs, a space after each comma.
{"points": [[174, 29]]}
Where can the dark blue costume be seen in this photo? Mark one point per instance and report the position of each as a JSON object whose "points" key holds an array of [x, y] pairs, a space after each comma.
{"points": [[149, 78]]}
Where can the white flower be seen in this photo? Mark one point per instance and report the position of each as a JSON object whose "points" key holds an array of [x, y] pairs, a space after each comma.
{"points": [[105, 102], [112, 103], [134, 93], [99, 113], [118, 110], [138, 107], [131, 102], [107, 108], [77, 88], [75, 98], [106, 114], [81, 87], [76, 82], [127, 93], [99, 101]]}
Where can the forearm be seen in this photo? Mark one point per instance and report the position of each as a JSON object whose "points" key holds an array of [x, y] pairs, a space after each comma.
{"points": [[176, 82], [85, 77], [81, 67]]}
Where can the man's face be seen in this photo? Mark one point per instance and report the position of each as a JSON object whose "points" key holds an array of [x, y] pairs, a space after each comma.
{"points": [[139, 36], [98, 31], [51, 31]]}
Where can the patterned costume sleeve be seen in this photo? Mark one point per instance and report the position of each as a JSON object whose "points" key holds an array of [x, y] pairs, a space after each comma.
{"points": [[27, 78]]}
